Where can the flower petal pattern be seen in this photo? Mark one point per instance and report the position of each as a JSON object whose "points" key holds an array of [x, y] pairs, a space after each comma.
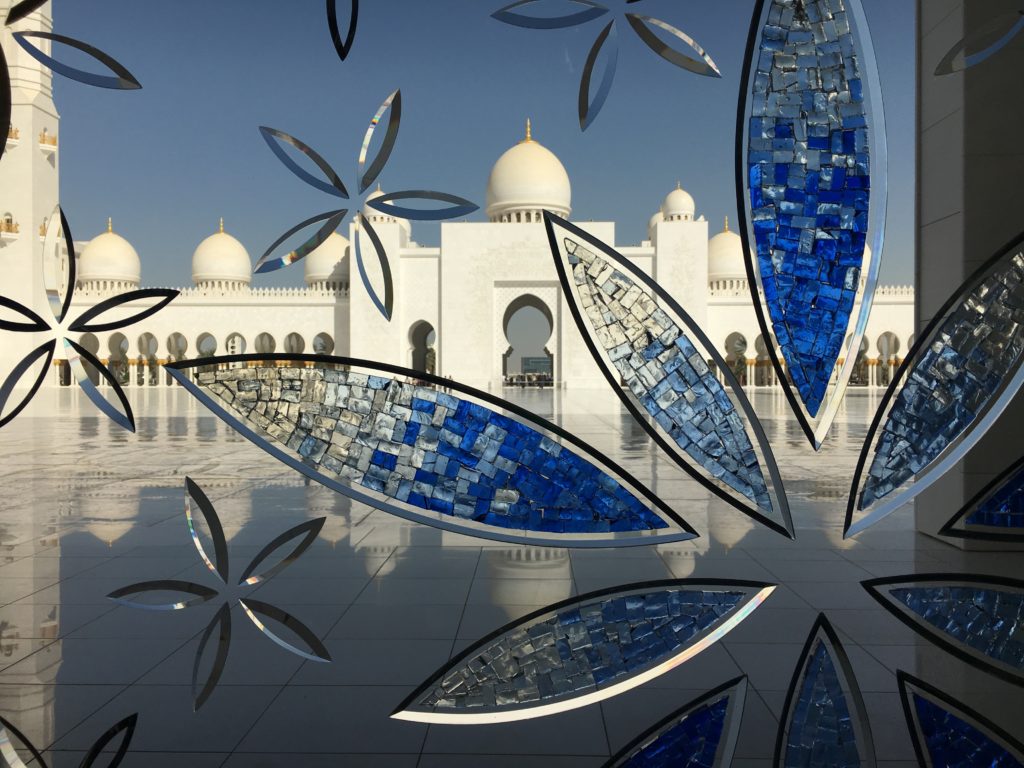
{"points": [[122, 79], [460, 206], [84, 323], [219, 565], [200, 594], [979, 619], [811, 135], [588, 107], [333, 185], [579, 651], [639, 334], [393, 106], [959, 376], [996, 513], [386, 305], [705, 65], [702, 734], [221, 624], [125, 729], [9, 754], [343, 47], [946, 732], [59, 264], [32, 323], [824, 723], [308, 530], [255, 608], [393, 438], [22, 10], [269, 263], [590, 10], [77, 357], [26, 364], [5, 98]]}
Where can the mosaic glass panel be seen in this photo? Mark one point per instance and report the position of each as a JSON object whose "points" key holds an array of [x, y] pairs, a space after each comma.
{"points": [[821, 731], [971, 354], [954, 743], [989, 621], [429, 449], [581, 647], [692, 742], [1005, 507], [808, 169], [666, 374]]}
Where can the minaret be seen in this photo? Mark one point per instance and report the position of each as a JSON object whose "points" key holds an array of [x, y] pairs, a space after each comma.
{"points": [[28, 177]]}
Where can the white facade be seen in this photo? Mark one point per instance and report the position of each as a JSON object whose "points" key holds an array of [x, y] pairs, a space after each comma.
{"points": [[452, 302]]}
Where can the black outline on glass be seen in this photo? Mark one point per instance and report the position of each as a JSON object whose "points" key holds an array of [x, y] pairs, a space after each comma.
{"points": [[786, 529], [126, 726], [823, 632], [69, 289], [178, 370], [122, 81], [222, 619], [343, 47], [334, 185], [751, 587], [47, 348], [82, 325], [735, 691], [910, 685], [309, 530], [319, 651], [948, 64], [387, 306], [220, 544], [641, 25], [22, 10], [506, 16], [126, 418], [5, 99], [983, 532], [394, 113], [922, 341], [587, 108], [333, 221], [461, 206], [921, 626], [36, 324], [203, 594]]}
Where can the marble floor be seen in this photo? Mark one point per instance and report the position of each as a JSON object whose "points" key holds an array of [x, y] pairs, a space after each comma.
{"points": [[88, 508]]}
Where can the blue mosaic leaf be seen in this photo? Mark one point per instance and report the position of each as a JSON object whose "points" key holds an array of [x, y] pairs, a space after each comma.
{"points": [[825, 723], [959, 376], [397, 440], [952, 735], [641, 337], [981, 620], [582, 650], [700, 735], [813, 137], [996, 513]]}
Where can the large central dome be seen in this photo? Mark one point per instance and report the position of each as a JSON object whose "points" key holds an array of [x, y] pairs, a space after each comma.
{"points": [[526, 180]]}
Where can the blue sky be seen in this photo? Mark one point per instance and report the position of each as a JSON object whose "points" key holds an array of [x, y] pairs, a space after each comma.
{"points": [[167, 161]]}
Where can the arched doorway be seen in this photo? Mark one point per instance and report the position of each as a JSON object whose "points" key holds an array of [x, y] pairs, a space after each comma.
{"points": [[323, 344], [294, 344], [177, 348], [736, 356], [423, 339], [861, 376], [888, 350], [146, 368], [265, 344], [528, 324], [206, 346], [764, 373], [117, 362], [235, 345]]}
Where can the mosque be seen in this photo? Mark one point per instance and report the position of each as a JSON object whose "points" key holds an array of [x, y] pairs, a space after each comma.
{"points": [[453, 302]]}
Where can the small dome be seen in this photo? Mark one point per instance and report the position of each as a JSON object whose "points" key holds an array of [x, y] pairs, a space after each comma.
{"points": [[329, 261], [221, 257], [678, 205], [376, 216], [653, 223], [528, 177], [109, 257], [725, 256]]}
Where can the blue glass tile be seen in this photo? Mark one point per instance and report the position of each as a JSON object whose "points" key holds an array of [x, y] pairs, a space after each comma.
{"points": [[989, 621], [808, 56], [1005, 507], [821, 733], [692, 742], [953, 743]]}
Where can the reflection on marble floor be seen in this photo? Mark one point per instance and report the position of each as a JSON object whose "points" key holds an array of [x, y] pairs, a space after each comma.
{"points": [[89, 508]]}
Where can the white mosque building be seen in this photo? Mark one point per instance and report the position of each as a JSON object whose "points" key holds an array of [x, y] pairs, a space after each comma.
{"points": [[453, 302]]}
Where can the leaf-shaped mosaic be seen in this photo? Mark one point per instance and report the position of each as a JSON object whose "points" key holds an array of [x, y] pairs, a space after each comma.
{"points": [[397, 440], [824, 722], [582, 650], [639, 335], [980, 619], [811, 138], [702, 734], [996, 513], [947, 733], [959, 376]]}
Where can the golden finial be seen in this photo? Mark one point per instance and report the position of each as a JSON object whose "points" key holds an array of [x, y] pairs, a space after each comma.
{"points": [[726, 223], [222, 225], [529, 132], [110, 224], [678, 184], [379, 189]]}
